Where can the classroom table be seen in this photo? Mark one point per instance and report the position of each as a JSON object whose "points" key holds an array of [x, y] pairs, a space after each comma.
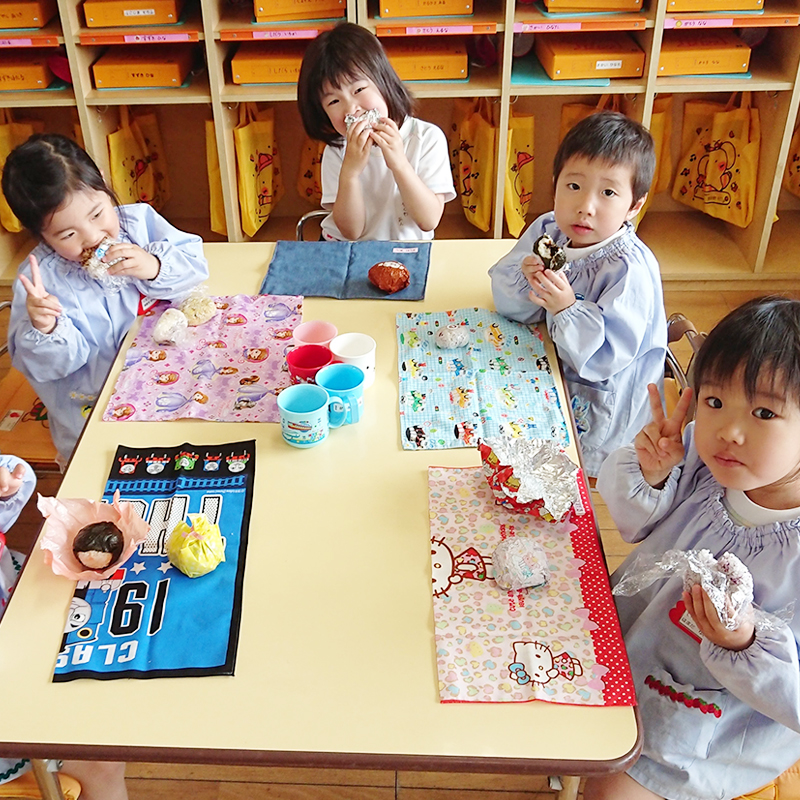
{"points": [[338, 572]]}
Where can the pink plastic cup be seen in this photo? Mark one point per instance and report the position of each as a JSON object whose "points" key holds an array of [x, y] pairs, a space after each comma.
{"points": [[316, 331], [306, 361]]}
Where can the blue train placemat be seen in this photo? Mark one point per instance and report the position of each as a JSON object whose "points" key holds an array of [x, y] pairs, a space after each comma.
{"points": [[148, 620], [500, 381]]}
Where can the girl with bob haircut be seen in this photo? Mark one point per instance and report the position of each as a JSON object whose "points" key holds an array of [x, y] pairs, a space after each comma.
{"points": [[720, 706], [385, 173]]}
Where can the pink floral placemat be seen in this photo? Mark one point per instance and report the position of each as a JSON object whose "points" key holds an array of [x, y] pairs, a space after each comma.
{"points": [[229, 369], [560, 642]]}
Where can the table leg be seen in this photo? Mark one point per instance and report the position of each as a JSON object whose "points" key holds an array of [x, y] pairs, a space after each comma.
{"points": [[569, 788], [48, 781]]}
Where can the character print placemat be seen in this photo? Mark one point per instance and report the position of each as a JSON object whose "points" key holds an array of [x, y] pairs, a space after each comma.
{"points": [[499, 381], [340, 269], [148, 620], [229, 369], [560, 642]]}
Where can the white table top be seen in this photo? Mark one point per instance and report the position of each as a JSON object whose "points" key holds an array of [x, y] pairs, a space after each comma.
{"points": [[338, 573]]}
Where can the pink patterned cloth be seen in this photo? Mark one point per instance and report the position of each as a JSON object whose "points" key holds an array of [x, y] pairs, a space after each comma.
{"points": [[229, 369]]}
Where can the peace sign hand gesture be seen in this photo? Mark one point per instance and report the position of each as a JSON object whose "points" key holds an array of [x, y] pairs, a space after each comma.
{"points": [[43, 308], [659, 445]]}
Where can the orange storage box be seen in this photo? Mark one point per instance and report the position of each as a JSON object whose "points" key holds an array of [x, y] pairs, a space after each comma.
{"points": [[611, 54], [24, 70], [122, 13], [424, 8], [268, 62], [707, 52], [593, 5], [426, 58], [26, 13], [289, 10], [142, 67], [714, 5]]}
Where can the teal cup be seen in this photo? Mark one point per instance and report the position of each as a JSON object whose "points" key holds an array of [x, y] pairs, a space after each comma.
{"points": [[345, 381], [308, 412]]}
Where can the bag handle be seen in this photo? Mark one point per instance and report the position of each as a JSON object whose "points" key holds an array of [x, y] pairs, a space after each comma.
{"points": [[124, 118], [746, 101]]}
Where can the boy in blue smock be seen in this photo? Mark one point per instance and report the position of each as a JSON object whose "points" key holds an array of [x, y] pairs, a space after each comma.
{"points": [[605, 309]]}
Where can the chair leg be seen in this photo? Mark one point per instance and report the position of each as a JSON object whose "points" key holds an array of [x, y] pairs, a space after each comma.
{"points": [[48, 781], [569, 787]]}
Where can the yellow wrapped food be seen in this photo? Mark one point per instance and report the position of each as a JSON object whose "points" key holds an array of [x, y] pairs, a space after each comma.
{"points": [[196, 549]]}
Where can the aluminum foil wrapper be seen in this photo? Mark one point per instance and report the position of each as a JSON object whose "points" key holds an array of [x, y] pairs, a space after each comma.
{"points": [[98, 269], [519, 562], [372, 116], [727, 581], [530, 476], [452, 336]]}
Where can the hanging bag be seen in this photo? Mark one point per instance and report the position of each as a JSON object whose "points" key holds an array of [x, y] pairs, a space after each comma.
{"points": [[216, 203], [309, 173], [12, 134], [718, 170], [472, 158], [154, 149], [573, 113], [661, 131], [258, 169], [131, 172], [519, 172], [791, 178]]}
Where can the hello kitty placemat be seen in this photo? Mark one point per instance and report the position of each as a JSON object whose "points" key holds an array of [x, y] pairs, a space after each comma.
{"points": [[560, 642], [498, 382], [230, 369]]}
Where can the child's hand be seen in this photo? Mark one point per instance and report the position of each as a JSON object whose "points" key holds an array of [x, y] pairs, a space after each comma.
{"points": [[530, 267], [551, 290], [659, 445], [705, 615], [387, 136], [11, 481], [43, 308], [357, 148], [136, 263]]}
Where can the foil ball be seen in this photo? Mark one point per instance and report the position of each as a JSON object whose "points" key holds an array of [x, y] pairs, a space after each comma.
{"points": [[519, 562], [452, 336]]}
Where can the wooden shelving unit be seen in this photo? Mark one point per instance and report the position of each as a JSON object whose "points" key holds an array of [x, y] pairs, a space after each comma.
{"points": [[689, 245]]}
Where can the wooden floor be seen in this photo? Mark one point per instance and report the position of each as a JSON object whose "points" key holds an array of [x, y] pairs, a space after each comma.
{"points": [[195, 782]]}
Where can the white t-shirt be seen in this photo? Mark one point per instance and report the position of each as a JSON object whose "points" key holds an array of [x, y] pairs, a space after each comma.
{"points": [[387, 218]]}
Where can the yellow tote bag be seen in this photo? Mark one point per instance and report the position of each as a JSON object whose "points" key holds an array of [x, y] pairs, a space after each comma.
{"points": [[216, 203], [472, 152], [12, 134], [131, 172], [309, 174], [791, 178], [154, 148], [719, 167], [573, 113], [661, 131], [258, 166], [519, 172]]}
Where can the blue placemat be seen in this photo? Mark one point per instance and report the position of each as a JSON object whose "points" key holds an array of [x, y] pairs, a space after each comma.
{"points": [[340, 269], [528, 71], [149, 620]]}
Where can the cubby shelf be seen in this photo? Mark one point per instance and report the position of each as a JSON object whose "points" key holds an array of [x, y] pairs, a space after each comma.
{"points": [[690, 246]]}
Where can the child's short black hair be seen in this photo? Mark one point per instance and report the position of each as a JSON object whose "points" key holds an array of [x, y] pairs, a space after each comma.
{"points": [[41, 173], [616, 139], [761, 338], [346, 51]]}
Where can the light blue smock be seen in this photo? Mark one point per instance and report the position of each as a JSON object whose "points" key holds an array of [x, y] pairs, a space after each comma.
{"points": [[689, 754], [611, 342], [68, 366]]}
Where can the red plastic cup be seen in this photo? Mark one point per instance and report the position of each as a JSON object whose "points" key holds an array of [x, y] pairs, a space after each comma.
{"points": [[305, 362]]}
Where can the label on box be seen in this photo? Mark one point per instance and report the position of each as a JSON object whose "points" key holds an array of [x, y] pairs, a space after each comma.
{"points": [[615, 64], [545, 27], [139, 12], [16, 43], [304, 33], [11, 418], [156, 37], [433, 30], [671, 22]]}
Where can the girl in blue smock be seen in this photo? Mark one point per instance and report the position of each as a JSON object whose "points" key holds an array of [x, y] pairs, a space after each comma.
{"points": [[720, 708], [67, 326], [605, 311]]}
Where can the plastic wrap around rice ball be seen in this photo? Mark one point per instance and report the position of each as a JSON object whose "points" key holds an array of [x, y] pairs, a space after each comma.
{"points": [[171, 327], [452, 336], [196, 549], [519, 562], [530, 476]]}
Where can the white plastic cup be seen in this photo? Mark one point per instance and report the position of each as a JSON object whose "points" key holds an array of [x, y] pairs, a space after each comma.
{"points": [[357, 349]]}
